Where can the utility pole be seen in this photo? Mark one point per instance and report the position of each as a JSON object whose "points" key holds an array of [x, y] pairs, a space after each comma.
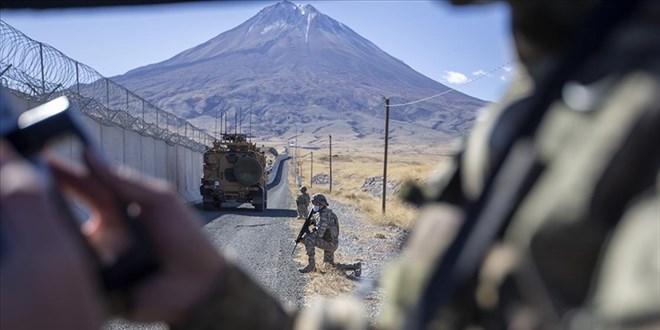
{"points": [[387, 133], [330, 162], [216, 124], [311, 171], [295, 151]]}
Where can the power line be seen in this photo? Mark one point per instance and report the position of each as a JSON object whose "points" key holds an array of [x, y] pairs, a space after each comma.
{"points": [[422, 100], [379, 106], [489, 73]]}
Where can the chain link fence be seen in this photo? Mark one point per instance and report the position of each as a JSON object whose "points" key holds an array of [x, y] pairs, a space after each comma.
{"points": [[39, 73]]}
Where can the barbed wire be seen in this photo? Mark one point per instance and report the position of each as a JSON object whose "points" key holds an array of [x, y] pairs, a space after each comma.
{"points": [[39, 73]]}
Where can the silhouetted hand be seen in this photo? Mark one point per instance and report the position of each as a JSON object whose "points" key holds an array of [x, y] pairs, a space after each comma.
{"points": [[46, 280], [190, 263]]}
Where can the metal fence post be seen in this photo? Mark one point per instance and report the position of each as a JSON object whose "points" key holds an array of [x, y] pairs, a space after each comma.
{"points": [[43, 70], [77, 79]]}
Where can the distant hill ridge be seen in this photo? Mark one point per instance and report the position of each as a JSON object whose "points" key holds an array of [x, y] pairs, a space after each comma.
{"points": [[292, 64]]}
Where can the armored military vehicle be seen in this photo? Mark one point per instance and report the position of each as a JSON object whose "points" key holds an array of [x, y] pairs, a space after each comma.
{"points": [[234, 171]]}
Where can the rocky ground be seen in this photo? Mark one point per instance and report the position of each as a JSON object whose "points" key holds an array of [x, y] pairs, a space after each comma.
{"points": [[374, 186]]}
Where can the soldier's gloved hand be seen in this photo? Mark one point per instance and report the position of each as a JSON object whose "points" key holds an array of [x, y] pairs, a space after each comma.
{"points": [[190, 263], [45, 279]]}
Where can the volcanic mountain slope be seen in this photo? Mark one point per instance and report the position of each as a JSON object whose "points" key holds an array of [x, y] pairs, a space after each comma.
{"points": [[292, 64]]}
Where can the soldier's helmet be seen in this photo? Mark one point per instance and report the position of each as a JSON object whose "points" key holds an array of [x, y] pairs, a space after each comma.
{"points": [[303, 189], [319, 198]]}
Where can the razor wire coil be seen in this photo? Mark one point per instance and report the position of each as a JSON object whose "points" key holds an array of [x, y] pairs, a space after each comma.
{"points": [[39, 73]]}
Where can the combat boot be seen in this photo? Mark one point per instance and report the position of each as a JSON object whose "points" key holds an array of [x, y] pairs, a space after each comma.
{"points": [[329, 257], [357, 268], [311, 267]]}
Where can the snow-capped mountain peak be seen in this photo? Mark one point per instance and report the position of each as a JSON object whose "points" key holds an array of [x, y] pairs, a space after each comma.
{"points": [[292, 60], [282, 16]]}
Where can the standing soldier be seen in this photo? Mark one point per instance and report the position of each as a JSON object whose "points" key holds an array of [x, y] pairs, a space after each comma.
{"points": [[302, 201], [325, 237]]}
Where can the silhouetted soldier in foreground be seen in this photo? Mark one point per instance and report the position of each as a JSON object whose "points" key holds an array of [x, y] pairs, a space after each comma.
{"points": [[555, 196]]}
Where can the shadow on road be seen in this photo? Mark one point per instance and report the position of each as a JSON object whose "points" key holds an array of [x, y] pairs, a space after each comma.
{"points": [[242, 209]]}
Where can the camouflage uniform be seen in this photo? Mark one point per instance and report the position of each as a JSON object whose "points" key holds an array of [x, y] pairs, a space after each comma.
{"points": [[326, 236], [302, 202], [582, 249]]}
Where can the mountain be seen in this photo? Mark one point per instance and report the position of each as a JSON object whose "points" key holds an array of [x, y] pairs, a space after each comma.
{"points": [[292, 64]]}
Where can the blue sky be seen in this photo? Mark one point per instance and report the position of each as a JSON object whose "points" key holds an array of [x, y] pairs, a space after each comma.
{"points": [[467, 48]]}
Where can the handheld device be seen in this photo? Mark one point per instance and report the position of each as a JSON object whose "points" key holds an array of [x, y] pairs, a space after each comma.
{"points": [[53, 126]]}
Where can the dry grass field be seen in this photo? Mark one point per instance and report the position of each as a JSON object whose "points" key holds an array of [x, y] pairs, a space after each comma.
{"points": [[354, 163]]}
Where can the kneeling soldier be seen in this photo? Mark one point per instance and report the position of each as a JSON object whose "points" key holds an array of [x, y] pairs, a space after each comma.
{"points": [[325, 237]]}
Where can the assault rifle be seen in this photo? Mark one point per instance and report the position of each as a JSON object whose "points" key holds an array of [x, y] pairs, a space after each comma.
{"points": [[304, 230]]}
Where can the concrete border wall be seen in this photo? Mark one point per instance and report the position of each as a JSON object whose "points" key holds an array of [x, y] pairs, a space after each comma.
{"points": [[160, 157], [112, 144], [179, 165], [148, 164]]}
